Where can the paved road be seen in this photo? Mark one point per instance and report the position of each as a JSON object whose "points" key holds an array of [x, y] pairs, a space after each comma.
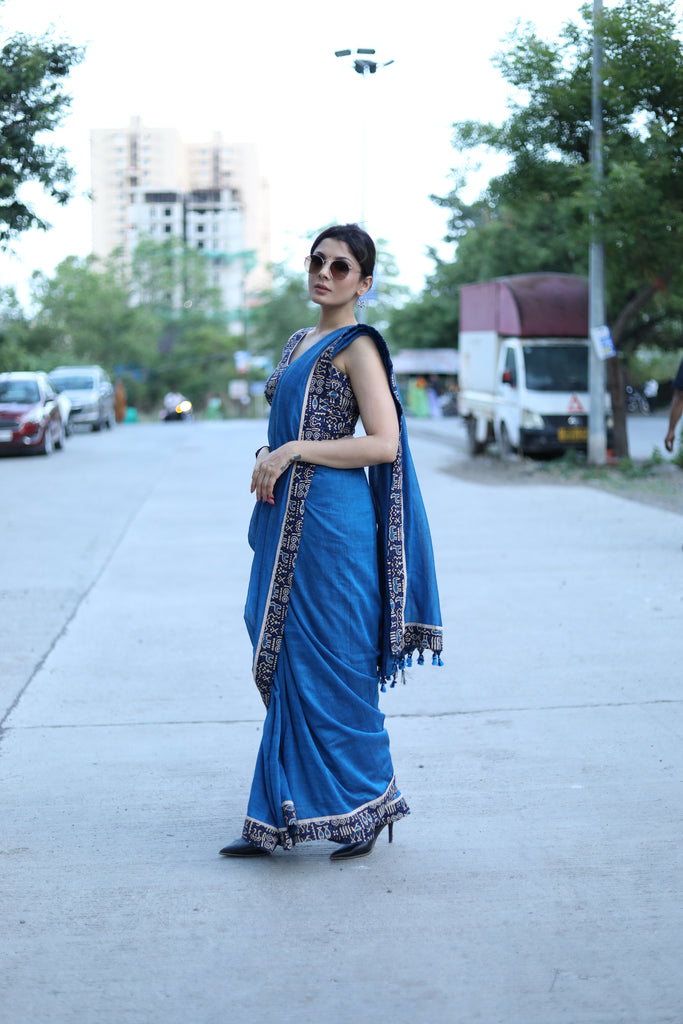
{"points": [[537, 880], [645, 433]]}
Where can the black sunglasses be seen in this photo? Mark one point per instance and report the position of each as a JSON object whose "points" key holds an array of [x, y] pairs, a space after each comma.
{"points": [[339, 269]]}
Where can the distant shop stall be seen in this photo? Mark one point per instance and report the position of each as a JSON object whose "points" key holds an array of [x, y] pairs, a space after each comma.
{"points": [[428, 380]]}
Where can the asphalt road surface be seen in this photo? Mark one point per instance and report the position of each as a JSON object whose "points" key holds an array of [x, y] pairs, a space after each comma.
{"points": [[537, 880]]}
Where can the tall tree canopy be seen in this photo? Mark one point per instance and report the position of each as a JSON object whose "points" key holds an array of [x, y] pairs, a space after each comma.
{"points": [[140, 323], [546, 193], [33, 103], [83, 314], [535, 215]]}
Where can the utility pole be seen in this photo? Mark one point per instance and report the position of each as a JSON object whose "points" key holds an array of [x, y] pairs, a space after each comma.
{"points": [[597, 439]]}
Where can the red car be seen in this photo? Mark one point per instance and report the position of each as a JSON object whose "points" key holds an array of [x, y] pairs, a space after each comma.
{"points": [[30, 417]]}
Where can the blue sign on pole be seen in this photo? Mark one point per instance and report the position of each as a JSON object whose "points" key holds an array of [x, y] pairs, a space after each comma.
{"points": [[602, 342]]}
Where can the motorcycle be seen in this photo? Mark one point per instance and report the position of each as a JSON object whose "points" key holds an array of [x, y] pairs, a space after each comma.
{"points": [[176, 407], [636, 401]]}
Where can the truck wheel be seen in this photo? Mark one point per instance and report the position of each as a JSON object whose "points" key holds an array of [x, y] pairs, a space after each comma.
{"points": [[504, 445], [474, 447]]}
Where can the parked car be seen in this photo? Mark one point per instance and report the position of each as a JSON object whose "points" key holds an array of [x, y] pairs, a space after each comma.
{"points": [[30, 417], [90, 392]]}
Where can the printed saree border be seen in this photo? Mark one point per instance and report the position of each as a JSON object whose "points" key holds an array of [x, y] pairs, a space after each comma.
{"points": [[418, 636], [395, 560], [357, 826], [282, 578]]}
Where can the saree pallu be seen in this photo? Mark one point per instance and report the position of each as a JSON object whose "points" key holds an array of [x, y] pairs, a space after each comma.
{"points": [[326, 613]]}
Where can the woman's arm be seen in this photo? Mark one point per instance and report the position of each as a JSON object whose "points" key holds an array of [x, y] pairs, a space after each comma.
{"points": [[674, 416], [363, 365]]}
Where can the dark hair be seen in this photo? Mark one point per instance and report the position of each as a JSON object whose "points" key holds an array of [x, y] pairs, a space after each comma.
{"points": [[358, 241]]}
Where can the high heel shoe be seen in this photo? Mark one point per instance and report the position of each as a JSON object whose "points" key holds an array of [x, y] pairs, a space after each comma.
{"points": [[241, 848], [351, 850]]}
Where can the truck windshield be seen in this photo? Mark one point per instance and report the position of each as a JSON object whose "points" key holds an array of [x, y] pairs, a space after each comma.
{"points": [[556, 367]]}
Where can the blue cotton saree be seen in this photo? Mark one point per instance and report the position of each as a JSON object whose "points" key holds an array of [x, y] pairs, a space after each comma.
{"points": [[342, 592]]}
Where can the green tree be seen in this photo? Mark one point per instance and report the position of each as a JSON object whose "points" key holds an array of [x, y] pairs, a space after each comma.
{"points": [[492, 240], [169, 278], [535, 215], [540, 231], [32, 103], [281, 311], [14, 330], [200, 362], [386, 294], [85, 316], [169, 283], [90, 311], [430, 320]]}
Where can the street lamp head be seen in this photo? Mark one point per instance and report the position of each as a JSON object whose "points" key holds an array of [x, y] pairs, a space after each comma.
{"points": [[361, 66]]}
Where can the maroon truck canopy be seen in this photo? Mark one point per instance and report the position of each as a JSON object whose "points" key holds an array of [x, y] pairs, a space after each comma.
{"points": [[527, 306]]}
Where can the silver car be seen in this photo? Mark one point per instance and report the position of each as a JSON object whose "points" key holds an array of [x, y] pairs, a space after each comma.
{"points": [[90, 392]]}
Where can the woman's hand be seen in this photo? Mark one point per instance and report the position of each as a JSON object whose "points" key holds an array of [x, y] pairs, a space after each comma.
{"points": [[269, 468]]}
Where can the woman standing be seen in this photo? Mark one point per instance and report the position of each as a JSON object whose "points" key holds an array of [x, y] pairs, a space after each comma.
{"points": [[342, 587]]}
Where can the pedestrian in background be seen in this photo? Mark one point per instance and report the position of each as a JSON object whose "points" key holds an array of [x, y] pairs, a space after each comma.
{"points": [[120, 401], [676, 409], [342, 588]]}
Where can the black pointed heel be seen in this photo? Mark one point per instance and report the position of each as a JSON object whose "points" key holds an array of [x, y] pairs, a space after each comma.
{"points": [[352, 850], [241, 848]]}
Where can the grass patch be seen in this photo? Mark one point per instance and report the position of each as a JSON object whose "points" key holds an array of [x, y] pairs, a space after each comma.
{"points": [[575, 466]]}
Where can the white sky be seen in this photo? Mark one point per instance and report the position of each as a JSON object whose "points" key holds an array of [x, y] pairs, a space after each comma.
{"points": [[265, 72]]}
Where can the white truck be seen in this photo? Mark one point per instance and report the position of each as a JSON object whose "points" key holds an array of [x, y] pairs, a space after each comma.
{"points": [[524, 349]]}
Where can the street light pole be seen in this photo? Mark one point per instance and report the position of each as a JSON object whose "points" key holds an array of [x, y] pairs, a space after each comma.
{"points": [[364, 65], [597, 441]]}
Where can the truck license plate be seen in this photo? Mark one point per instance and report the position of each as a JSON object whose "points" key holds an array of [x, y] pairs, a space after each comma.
{"points": [[572, 434]]}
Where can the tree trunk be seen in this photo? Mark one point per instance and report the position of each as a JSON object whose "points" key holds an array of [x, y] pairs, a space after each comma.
{"points": [[646, 293], [615, 379], [615, 371]]}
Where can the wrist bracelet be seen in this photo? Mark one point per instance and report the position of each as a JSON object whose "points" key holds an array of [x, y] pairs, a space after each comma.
{"points": [[259, 450]]}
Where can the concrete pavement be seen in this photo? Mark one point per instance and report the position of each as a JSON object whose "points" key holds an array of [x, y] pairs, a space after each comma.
{"points": [[538, 879]]}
